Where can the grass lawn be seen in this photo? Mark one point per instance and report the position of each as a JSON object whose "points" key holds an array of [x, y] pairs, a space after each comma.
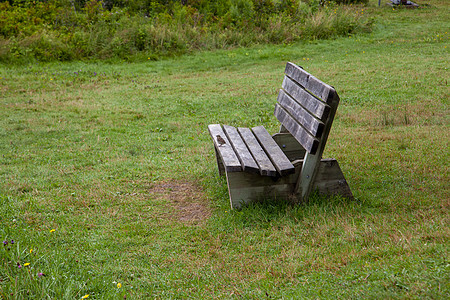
{"points": [[109, 185]]}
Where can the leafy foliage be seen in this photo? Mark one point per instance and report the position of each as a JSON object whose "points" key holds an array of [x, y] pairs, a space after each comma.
{"points": [[61, 30]]}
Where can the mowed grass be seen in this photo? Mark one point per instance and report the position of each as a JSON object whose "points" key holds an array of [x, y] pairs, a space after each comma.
{"points": [[108, 174]]}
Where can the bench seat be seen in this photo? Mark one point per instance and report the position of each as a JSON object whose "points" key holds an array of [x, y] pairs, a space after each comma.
{"points": [[250, 150]]}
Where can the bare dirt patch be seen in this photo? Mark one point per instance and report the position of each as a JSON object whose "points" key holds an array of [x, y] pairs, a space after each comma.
{"points": [[188, 200]]}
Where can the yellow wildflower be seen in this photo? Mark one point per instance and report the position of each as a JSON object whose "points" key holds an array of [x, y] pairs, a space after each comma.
{"points": [[85, 296], [26, 264], [119, 285]]}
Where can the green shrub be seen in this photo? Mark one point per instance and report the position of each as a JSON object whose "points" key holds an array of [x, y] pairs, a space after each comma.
{"points": [[350, 1], [47, 46], [25, 20], [55, 30], [241, 10]]}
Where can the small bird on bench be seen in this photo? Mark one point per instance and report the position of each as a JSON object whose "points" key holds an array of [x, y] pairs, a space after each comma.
{"points": [[220, 140]]}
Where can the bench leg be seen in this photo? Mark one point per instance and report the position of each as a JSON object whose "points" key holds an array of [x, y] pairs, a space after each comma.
{"points": [[306, 180], [244, 187], [219, 163], [330, 180], [325, 176]]}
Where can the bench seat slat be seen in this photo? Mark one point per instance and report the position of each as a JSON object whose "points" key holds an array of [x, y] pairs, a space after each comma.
{"points": [[313, 125], [229, 158], [319, 88], [276, 155], [308, 142], [315, 106], [243, 154], [265, 165]]}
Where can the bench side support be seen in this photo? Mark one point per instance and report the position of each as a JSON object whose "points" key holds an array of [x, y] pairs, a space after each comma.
{"points": [[244, 187], [311, 162], [220, 165]]}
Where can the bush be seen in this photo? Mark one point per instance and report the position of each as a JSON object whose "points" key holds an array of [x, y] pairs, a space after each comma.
{"points": [[241, 10], [350, 1], [47, 46], [51, 30]]}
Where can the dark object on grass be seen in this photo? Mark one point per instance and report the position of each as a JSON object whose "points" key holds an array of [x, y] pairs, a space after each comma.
{"points": [[406, 3]]}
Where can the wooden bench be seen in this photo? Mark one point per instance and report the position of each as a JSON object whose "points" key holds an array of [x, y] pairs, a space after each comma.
{"points": [[288, 164]]}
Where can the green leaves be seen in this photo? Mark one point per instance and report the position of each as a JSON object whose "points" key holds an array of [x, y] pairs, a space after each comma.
{"points": [[53, 31]]}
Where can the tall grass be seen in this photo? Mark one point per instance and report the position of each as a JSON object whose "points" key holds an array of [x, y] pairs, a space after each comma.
{"points": [[62, 34]]}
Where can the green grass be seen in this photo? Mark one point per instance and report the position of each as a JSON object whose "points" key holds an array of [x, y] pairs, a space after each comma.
{"points": [[117, 159]]}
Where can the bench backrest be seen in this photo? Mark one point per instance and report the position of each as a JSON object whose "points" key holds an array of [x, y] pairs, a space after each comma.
{"points": [[306, 108]]}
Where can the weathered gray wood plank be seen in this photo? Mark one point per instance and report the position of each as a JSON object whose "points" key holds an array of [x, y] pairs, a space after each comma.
{"points": [[308, 142], [301, 115], [318, 88], [265, 165], [219, 163], [276, 155], [330, 180], [312, 160], [243, 154], [244, 188], [229, 158], [318, 108]]}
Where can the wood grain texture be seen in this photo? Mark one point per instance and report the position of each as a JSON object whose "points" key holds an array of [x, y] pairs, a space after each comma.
{"points": [[276, 155], [318, 88], [330, 180], [315, 106], [226, 152], [311, 162], [220, 165], [300, 114], [265, 165], [240, 148], [308, 142], [244, 187]]}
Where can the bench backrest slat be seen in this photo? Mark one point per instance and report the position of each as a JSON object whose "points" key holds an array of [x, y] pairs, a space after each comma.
{"points": [[318, 88], [306, 108], [302, 135], [315, 106], [308, 121]]}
